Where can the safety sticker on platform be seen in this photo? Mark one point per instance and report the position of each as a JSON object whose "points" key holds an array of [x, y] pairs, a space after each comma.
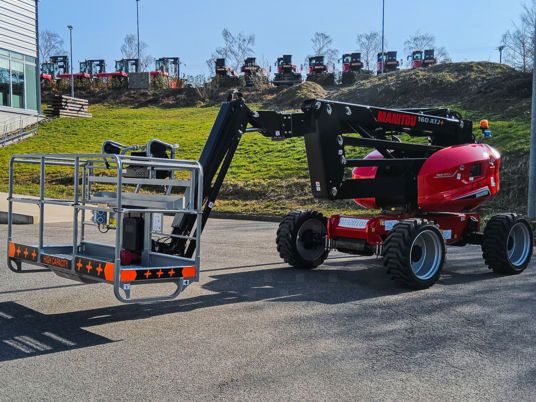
{"points": [[22, 252], [55, 261]]}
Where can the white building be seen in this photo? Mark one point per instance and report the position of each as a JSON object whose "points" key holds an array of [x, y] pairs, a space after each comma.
{"points": [[19, 61]]}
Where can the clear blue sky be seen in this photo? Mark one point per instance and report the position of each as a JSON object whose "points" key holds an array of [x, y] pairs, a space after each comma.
{"points": [[191, 29]]}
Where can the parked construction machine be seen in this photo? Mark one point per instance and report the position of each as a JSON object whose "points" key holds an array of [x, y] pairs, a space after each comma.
{"points": [[92, 68], [420, 59], [427, 191], [60, 65], [387, 62], [225, 76], [223, 70], [166, 73], [168, 66], [253, 73], [351, 67], [319, 72], [429, 58], [127, 66], [287, 73]]}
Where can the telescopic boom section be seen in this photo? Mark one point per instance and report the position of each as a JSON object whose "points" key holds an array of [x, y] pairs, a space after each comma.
{"points": [[329, 129]]}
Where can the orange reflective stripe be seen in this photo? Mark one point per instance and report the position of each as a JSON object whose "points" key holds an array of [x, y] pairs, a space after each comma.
{"points": [[126, 276], [189, 272], [11, 249]]}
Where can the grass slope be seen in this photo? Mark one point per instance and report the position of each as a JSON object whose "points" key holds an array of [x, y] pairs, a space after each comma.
{"points": [[264, 178]]}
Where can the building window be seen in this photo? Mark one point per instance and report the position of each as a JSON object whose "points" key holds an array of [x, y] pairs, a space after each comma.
{"points": [[4, 83], [17, 85], [31, 87], [18, 81]]}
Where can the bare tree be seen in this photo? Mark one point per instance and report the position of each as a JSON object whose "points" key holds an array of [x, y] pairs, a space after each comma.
{"points": [[50, 44], [419, 41], [442, 55], [323, 46], [369, 44], [423, 41], [129, 50], [518, 42], [234, 50]]}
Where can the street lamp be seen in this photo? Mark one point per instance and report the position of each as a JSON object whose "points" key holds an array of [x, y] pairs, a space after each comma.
{"points": [[138, 29], [383, 34], [500, 48], [71, 42]]}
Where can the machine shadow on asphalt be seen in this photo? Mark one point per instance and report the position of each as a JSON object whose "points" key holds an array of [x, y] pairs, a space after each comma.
{"points": [[25, 332]]}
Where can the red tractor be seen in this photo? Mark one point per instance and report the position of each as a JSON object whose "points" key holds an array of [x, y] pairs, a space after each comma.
{"points": [[287, 73], [351, 66], [127, 66], [429, 58], [420, 59], [387, 62], [167, 71], [57, 68], [168, 66], [252, 72], [223, 70], [351, 62], [226, 76], [319, 72], [92, 67], [47, 75]]}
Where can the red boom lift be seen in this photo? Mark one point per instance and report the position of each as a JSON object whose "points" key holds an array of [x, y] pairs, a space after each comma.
{"points": [[351, 65], [421, 59], [427, 191], [318, 71], [286, 74], [252, 70], [389, 61], [222, 70]]}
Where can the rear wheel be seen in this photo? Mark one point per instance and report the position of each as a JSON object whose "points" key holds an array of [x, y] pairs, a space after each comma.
{"points": [[301, 239], [414, 254], [508, 244]]}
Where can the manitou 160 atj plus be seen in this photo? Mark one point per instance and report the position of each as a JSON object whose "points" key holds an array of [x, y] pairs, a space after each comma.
{"points": [[427, 193]]}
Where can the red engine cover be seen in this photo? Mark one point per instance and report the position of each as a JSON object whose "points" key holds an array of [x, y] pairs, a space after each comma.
{"points": [[454, 179], [458, 178]]}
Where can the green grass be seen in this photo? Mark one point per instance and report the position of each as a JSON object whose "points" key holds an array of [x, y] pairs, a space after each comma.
{"points": [[265, 176], [510, 135]]}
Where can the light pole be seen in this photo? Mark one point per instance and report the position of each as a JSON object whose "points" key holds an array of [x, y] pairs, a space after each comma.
{"points": [[532, 159], [71, 42], [138, 29], [500, 48], [383, 34]]}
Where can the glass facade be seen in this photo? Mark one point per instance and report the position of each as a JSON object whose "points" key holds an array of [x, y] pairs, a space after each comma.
{"points": [[18, 81]]}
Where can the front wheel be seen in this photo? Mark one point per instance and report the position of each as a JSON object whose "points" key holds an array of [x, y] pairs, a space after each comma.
{"points": [[508, 243], [301, 239], [414, 254]]}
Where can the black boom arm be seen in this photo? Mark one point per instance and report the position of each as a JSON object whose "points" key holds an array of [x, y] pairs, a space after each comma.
{"points": [[329, 128]]}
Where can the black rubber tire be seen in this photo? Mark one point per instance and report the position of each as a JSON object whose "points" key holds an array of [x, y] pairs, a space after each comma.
{"points": [[287, 234], [496, 244], [397, 252]]}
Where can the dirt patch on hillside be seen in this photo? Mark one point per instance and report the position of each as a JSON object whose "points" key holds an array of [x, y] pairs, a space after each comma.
{"points": [[294, 96], [488, 87]]}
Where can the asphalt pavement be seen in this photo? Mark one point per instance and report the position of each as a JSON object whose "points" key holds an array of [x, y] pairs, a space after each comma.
{"points": [[254, 329]]}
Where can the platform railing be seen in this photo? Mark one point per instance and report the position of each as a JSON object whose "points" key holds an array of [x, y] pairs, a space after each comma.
{"points": [[99, 184]]}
